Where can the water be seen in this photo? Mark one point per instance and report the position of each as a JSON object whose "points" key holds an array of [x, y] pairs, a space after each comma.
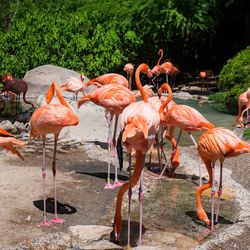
{"points": [[219, 119]]}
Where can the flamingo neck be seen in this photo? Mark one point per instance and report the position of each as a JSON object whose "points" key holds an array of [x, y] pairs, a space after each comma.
{"points": [[138, 84], [160, 52], [167, 88], [130, 79]]}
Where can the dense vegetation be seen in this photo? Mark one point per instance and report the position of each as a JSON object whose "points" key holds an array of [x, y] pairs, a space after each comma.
{"points": [[234, 80], [96, 37], [100, 36]]}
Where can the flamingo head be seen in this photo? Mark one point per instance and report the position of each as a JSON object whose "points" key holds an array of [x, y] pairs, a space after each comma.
{"points": [[128, 68], [146, 70]]}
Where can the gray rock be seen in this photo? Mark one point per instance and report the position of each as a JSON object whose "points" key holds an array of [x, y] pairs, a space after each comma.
{"points": [[40, 78], [7, 125], [82, 235]]}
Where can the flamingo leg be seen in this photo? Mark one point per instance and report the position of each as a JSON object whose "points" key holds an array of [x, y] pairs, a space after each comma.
{"points": [[55, 219], [129, 200], [109, 119], [199, 160], [199, 209], [156, 85], [45, 222], [117, 183], [158, 152], [219, 194], [141, 206], [213, 189]]}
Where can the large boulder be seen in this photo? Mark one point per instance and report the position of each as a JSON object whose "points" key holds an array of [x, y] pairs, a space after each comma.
{"points": [[40, 78]]}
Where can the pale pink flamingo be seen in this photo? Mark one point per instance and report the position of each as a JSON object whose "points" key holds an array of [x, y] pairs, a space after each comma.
{"points": [[216, 144], [114, 98], [129, 69], [74, 85], [51, 119], [7, 141], [139, 122]]}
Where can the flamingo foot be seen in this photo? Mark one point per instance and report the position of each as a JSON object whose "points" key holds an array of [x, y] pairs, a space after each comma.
{"points": [[109, 186], [45, 223], [117, 184], [57, 220]]}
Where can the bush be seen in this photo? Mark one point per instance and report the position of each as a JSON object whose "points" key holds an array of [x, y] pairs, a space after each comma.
{"points": [[234, 78]]}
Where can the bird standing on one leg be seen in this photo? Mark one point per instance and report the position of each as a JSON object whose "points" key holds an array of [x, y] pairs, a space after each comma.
{"points": [[51, 119]]}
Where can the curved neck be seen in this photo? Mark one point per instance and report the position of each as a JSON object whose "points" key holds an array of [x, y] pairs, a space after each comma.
{"points": [[166, 87], [160, 52], [138, 83]]}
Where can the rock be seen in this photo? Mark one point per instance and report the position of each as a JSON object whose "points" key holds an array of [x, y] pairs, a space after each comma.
{"points": [[86, 235], [183, 95], [40, 78], [149, 248], [7, 125]]}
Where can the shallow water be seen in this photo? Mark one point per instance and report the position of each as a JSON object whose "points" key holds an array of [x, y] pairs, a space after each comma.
{"points": [[219, 119], [171, 208]]}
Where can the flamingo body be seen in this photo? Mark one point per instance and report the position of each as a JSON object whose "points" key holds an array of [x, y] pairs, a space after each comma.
{"points": [[110, 78]]}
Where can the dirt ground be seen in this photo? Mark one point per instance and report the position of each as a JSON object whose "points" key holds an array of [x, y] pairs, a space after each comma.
{"points": [[81, 197]]}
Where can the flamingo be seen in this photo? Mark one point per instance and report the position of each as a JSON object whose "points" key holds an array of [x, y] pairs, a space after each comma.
{"points": [[129, 69], [139, 122], [165, 68], [158, 105], [184, 117], [110, 78], [74, 85], [7, 141], [51, 119], [243, 100], [114, 98], [216, 144]]}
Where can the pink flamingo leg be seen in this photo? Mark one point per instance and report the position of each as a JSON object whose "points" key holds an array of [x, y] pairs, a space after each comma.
{"points": [[117, 183], [219, 194], [199, 160], [45, 222], [213, 189], [129, 200], [109, 119], [141, 206], [56, 219], [173, 152]]}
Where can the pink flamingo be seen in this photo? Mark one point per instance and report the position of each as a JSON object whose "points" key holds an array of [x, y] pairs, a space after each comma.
{"points": [[129, 69], [74, 85], [7, 141], [216, 144], [243, 100], [186, 118], [139, 122], [114, 98], [51, 119], [110, 78], [165, 68]]}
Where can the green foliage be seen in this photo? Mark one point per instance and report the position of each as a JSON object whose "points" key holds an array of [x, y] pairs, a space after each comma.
{"points": [[234, 78], [96, 36], [246, 134]]}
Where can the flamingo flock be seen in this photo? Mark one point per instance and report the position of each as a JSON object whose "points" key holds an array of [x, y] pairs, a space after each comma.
{"points": [[139, 122]]}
